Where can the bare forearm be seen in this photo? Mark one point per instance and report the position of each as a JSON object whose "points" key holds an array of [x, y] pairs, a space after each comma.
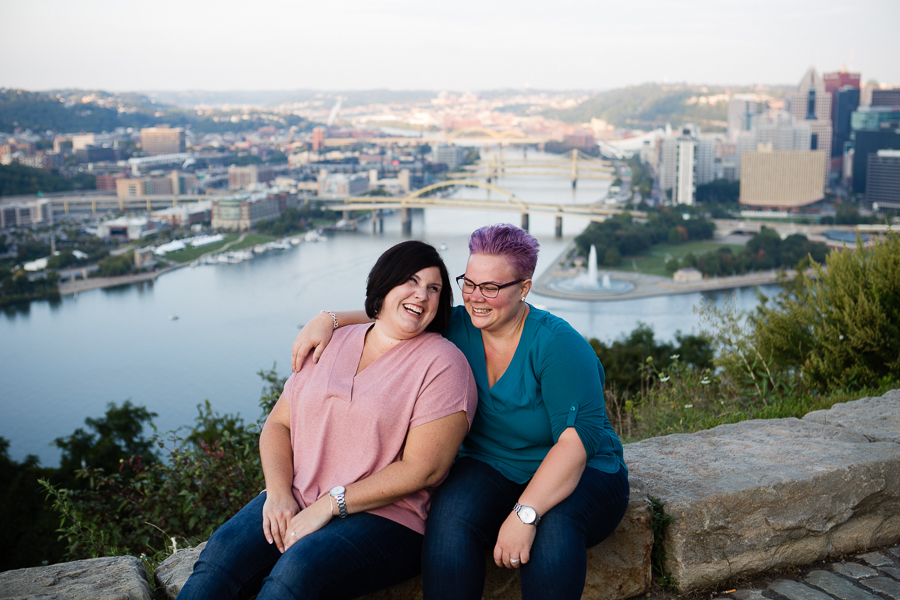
{"points": [[430, 450], [276, 456], [558, 475]]}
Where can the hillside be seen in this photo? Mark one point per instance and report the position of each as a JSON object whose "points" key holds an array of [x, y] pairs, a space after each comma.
{"points": [[653, 105]]}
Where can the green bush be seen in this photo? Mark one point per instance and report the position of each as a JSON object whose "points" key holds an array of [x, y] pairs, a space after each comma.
{"points": [[151, 508], [839, 329]]}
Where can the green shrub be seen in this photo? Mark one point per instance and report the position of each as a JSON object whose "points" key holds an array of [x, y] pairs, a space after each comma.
{"points": [[839, 329]]}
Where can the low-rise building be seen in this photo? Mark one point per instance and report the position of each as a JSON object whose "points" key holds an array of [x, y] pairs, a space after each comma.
{"points": [[130, 228], [242, 211], [26, 213], [185, 215], [343, 184], [785, 179], [240, 178]]}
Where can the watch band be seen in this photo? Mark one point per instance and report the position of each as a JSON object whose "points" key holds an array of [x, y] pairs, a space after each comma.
{"points": [[527, 514], [337, 492]]}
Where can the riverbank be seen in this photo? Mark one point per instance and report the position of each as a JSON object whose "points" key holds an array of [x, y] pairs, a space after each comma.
{"points": [[645, 286], [75, 286]]}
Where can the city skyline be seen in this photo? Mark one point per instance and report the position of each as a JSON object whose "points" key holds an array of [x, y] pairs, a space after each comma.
{"points": [[464, 46]]}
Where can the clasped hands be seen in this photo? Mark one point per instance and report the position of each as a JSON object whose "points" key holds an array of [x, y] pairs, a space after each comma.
{"points": [[284, 523]]}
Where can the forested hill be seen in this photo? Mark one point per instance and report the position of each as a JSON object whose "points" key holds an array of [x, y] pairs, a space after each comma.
{"points": [[72, 111], [653, 105]]}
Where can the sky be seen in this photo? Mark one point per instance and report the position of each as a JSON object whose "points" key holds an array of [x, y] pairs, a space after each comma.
{"points": [[463, 45]]}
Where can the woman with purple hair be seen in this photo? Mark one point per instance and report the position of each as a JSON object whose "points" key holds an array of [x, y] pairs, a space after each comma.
{"points": [[540, 476]]}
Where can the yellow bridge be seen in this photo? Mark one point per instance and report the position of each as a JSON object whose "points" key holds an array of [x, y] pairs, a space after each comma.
{"points": [[422, 199]]}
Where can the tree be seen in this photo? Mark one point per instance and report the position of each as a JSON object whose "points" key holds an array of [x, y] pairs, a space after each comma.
{"points": [[841, 328], [109, 440]]}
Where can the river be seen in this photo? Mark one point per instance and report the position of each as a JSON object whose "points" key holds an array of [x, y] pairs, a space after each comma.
{"points": [[62, 362]]}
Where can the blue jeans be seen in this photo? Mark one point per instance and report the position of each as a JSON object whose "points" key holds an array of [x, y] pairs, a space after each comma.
{"points": [[345, 559], [468, 509]]}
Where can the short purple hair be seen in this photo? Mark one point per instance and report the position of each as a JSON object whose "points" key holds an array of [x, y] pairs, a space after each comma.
{"points": [[507, 240]]}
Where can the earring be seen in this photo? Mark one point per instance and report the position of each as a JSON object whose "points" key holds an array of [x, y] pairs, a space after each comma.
{"points": [[523, 299]]}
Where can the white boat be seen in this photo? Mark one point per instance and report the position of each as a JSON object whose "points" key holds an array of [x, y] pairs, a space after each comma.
{"points": [[295, 241], [313, 236], [173, 317]]}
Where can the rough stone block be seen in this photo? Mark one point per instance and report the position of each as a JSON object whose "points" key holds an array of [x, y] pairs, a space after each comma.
{"points": [[876, 559], [753, 496], [884, 585], [173, 572], [111, 578], [618, 568], [876, 418], [853, 570], [892, 571], [794, 590], [837, 586]]}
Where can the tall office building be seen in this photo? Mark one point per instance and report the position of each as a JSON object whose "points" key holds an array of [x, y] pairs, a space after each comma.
{"points": [[686, 161], [742, 109], [811, 103], [844, 89], [888, 97], [846, 101], [240, 178], [318, 141], [162, 140], [883, 178], [867, 142], [685, 165]]}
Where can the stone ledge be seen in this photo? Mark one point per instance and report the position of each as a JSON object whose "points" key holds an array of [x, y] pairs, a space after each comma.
{"points": [[745, 498], [110, 578], [758, 495], [618, 568]]}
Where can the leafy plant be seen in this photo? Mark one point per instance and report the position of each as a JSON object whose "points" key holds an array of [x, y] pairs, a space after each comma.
{"points": [[839, 329]]}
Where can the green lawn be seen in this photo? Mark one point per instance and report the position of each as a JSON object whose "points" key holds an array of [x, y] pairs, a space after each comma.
{"points": [[252, 239], [653, 262], [189, 254]]}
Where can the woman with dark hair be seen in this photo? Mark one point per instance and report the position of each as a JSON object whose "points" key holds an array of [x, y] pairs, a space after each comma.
{"points": [[352, 450], [540, 476]]}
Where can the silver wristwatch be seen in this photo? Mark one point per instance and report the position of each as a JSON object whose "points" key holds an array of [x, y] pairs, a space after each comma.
{"points": [[337, 492], [527, 514]]}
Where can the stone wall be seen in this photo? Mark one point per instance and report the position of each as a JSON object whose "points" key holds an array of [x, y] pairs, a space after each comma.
{"points": [[744, 498]]}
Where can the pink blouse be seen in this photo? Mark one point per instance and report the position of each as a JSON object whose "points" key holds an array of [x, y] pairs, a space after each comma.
{"points": [[345, 427]]}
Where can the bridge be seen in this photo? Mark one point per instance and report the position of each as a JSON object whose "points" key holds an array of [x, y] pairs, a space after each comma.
{"points": [[578, 165], [422, 199], [469, 134]]}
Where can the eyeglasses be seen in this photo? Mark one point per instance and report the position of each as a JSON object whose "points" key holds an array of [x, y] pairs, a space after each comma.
{"points": [[488, 290]]}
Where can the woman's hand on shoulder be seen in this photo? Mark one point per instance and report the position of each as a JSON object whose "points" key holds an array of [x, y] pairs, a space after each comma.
{"points": [[315, 336], [311, 519], [278, 511], [514, 542]]}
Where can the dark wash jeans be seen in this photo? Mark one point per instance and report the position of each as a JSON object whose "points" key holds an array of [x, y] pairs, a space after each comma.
{"points": [[345, 559], [468, 509]]}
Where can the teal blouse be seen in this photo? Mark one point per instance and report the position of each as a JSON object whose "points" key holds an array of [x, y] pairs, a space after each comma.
{"points": [[554, 381]]}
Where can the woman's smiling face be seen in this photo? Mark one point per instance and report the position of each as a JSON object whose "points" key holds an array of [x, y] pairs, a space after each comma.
{"points": [[411, 306], [493, 313]]}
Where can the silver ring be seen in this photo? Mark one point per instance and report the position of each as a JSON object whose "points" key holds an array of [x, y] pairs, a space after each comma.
{"points": [[514, 560], [293, 534]]}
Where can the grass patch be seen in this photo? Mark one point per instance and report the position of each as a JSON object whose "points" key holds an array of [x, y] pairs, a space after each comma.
{"points": [[189, 254], [250, 240], [653, 262], [685, 404]]}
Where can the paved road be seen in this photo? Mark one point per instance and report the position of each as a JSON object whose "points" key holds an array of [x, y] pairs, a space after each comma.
{"points": [[871, 575]]}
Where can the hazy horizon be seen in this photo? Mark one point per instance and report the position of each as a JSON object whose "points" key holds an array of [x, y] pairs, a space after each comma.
{"points": [[401, 45]]}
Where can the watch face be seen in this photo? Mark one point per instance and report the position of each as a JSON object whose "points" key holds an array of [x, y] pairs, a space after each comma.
{"points": [[527, 514], [337, 490]]}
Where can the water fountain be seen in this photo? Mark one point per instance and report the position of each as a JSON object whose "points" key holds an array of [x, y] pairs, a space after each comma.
{"points": [[588, 282]]}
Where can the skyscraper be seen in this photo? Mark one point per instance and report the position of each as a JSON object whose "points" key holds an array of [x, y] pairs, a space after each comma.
{"points": [[811, 103], [742, 108]]}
